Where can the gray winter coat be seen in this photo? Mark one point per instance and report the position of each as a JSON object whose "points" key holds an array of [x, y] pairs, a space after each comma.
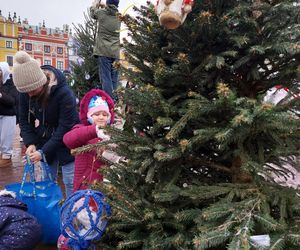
{"points": [[108, 36]]}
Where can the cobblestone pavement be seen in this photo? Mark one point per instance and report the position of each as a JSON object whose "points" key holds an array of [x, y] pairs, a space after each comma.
{"points": [[12, 172]]}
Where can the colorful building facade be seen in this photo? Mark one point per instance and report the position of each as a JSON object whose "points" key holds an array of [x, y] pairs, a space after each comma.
{"points": [[46, 45], [8, 38]]}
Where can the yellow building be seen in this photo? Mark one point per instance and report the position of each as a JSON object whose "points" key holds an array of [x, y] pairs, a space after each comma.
{"points": [[8, 38]]}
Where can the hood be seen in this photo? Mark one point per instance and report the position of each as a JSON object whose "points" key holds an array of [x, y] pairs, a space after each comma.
{"points": [[86, 100], [8, 201], [60, 77], [5, 71]]}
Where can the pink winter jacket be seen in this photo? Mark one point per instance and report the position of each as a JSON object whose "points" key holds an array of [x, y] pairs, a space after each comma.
{"points": [[86, 164]]}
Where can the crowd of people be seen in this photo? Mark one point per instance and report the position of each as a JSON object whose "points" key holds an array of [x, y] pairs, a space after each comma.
{"points": [[39, 100]]}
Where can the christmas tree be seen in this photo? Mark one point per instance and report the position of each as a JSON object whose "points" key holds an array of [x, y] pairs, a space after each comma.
{"points": [[205, 148], [85, 72]]}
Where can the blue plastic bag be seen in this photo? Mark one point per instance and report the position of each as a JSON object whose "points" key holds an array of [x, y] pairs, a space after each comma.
{"points": [[43, 201]]}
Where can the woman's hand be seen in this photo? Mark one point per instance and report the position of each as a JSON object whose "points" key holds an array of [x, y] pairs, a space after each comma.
{"points": [[30, 149], [35, 156]]}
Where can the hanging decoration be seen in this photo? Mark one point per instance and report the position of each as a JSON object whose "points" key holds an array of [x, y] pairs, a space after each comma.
{"points": [[172, 13], [84, 217], [87, 76]]}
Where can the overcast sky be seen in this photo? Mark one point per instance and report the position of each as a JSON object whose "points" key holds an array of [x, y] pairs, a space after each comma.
{"points": [[54, 12]]}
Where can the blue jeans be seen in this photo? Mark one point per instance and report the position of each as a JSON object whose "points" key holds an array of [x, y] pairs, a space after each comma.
{"points": [[67, 174], [108, 75]]}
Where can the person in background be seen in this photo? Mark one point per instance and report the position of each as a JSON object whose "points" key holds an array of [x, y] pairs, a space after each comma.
{"points": [[18, 229], [8, 114], [107, 45], [96, 112], [47, 112]]}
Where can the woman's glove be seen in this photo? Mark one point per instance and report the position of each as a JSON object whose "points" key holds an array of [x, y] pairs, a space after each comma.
{"points": [[98, 4]]}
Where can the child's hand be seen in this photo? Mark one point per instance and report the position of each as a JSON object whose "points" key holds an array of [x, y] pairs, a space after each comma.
{"points": [[102, 135]]}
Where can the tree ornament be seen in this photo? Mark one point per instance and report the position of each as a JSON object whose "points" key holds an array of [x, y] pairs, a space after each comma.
{"points": [[183, 144], [172, 13], [87, 76], [182, 57], [223, 89], [116, 65], [160, 67], [84, 218], [267, 106]]}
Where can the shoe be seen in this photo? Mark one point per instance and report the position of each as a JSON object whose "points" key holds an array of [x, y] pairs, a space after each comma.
{"points": [[6, 157], [62, 243], [5, 162]]}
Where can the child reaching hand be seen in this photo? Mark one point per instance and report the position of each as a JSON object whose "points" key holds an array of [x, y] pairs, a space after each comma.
{"points": [[96, 112]]}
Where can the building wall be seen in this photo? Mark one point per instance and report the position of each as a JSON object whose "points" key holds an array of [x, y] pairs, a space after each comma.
{"points": [[8, 39], [47, 46]]}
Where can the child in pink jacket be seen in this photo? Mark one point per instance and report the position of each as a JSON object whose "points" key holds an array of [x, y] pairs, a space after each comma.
{"points": [[96, 112]]}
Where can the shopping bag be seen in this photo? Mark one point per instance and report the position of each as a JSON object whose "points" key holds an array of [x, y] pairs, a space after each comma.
{"points": [[43, 201]]}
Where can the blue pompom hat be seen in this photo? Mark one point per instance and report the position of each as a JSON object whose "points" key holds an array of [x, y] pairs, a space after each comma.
{"points": [[113, 2], [96, 104]]}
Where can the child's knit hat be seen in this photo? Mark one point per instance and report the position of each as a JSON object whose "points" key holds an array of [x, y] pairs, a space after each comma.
{"points": [[96, 104]]}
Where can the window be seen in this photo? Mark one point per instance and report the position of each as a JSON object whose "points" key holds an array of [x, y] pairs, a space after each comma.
{"points": [[60, 65], [9, 44], [47, 62], [47, 49], [10, 60], [28, 46], [72, 52], [60, 50]]}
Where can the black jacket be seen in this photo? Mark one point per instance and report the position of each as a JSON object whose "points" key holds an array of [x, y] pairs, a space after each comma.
{"points": [[54, 120], [9, 99]]}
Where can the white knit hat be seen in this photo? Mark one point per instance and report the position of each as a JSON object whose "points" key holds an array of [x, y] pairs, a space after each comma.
{"points": [[27, 74]]}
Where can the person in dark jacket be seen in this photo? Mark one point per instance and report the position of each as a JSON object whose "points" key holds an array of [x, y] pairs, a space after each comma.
{"points": [[47, 112], [107, 46], [18, 229], [8, 112]]}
